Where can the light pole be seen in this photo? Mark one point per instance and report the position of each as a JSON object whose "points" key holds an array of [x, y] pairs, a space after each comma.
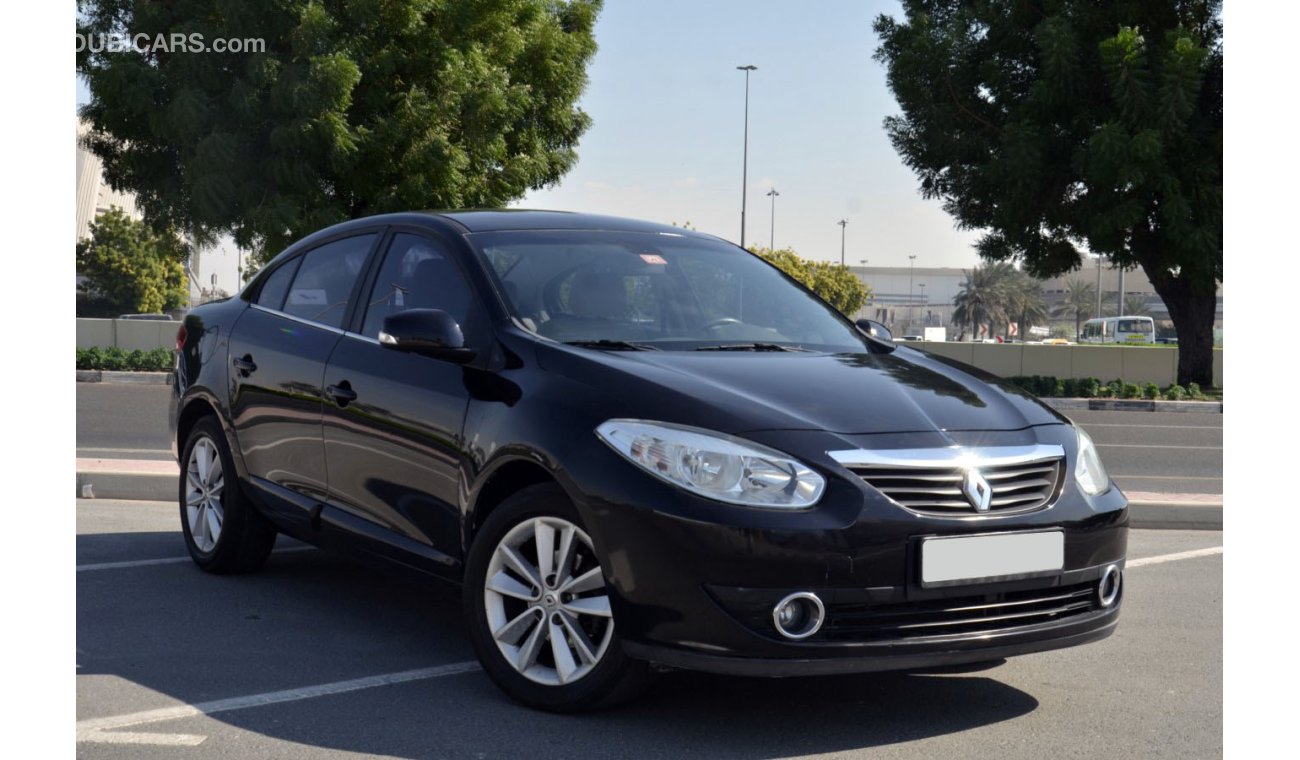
{"points": [[842, 223], [1098, 314], [921, 285], [744, 166], [772, 240], [911, 269]]}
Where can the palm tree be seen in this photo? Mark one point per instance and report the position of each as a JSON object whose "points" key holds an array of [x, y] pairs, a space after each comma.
{"points": [[1080, 302], [982, 299], [1136, 306], [1025, 301]]}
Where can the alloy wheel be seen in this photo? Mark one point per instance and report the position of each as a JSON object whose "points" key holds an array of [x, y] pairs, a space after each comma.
{"points": [[546, 601], [204, 484]]}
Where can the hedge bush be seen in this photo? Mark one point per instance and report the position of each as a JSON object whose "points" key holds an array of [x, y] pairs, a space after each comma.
{"points": [[1091, 387], [120, 360]]}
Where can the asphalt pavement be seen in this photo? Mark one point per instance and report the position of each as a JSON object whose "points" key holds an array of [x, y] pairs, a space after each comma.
{"points": [[316, 657]]}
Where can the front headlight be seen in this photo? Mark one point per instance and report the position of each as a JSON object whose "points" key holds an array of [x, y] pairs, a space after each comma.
{"points": [[1088, 471], [714, 465]]}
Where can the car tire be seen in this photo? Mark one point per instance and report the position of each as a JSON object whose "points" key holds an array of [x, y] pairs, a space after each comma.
{"points": [[223, 531], [525, 615]]}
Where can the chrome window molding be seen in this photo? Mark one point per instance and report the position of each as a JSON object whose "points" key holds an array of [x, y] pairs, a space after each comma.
{"points": [[299, 320], [949, 456]]}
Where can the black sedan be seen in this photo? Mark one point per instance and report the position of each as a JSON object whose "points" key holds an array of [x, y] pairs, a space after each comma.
{"points": [[635, 444]]}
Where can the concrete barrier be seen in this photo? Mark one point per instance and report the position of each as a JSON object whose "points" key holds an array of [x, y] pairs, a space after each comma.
{"points": [[1132, 364], [126, 334]]}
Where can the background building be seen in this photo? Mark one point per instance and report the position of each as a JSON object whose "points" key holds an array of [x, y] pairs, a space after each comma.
{"points": [[907, 299]]}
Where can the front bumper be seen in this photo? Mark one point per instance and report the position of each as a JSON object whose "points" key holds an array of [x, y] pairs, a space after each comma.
{"points": [[819, 665], [693, 581]]}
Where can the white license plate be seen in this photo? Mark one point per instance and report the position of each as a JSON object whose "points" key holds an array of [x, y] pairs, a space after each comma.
{"points": [[1002, 556]]}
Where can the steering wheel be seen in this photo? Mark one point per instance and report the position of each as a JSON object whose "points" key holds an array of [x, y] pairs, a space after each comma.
{"points": [[721, 322]]}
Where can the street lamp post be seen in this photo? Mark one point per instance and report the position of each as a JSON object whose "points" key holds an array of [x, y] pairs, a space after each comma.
{"points": [[842, 223], [910, 271], [772, 239], [744, 166], [1098, 314]]}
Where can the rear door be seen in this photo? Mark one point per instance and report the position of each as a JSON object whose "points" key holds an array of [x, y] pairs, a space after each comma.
{"points": [[278, 350], [393, 437]]}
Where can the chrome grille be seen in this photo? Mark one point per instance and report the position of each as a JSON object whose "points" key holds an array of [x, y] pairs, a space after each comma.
{"points": [[965, 615], [938, 481]]}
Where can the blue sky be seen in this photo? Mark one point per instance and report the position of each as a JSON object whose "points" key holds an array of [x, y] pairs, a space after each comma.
{"points": [[667, 106]]}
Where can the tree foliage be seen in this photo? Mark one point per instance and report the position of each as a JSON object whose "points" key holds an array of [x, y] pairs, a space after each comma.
{"points": [[353, 108], [1056, 126], [130, 268], [836, 284]]}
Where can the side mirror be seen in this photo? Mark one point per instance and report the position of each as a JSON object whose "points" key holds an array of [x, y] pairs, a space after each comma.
{"points": [[431, 332], [878, 332]]}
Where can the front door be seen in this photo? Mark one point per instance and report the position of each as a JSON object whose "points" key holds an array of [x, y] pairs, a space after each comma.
{"points": [[393, 434]]}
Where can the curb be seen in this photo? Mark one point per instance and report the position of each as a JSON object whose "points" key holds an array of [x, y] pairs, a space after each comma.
{"points": [[127, 479], [1132, 405], [128, 378]]}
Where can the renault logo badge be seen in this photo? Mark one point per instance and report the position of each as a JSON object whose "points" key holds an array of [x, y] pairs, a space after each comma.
{"points": [[978, 491]]}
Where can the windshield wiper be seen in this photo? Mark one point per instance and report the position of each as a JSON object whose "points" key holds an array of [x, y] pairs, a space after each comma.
{"points": [[612, 345], [750, 347]]}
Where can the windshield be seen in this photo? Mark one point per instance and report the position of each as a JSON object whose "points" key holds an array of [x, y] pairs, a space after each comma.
{"points": [[657, 290]]}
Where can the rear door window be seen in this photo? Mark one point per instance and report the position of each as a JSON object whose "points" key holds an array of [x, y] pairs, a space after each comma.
{"points": [[277, 286], [326, 278]]}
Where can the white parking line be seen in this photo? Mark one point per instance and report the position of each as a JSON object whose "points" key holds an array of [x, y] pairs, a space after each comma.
{"points": [[1152, 446], [102, 730], [166, 560], [1160, 558]]}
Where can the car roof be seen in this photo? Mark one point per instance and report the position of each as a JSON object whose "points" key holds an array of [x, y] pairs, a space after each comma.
{"points": [[494, 220]]}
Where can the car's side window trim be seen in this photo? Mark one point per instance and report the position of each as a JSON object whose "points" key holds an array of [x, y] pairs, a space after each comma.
{"points": [[296, 318]]}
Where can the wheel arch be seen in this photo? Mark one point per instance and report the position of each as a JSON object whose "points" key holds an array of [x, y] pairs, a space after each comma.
{"points": [[198, 405], [498, 482]]}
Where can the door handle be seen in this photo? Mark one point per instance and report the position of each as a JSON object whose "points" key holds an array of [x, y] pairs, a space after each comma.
{"points": [[245, 365], [342, 393]]}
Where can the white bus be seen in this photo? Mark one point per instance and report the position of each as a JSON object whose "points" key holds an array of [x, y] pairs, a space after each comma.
{"points": [[1119, 330]]}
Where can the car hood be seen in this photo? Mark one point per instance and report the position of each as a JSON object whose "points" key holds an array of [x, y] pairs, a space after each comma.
{"points": [[901, 392]]}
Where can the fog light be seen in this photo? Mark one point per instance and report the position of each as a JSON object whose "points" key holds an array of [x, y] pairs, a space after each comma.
{"points": [[799, 615], [1109, 586]]}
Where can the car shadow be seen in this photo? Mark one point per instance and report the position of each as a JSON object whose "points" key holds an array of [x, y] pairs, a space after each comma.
{"points": [[310, 618]]}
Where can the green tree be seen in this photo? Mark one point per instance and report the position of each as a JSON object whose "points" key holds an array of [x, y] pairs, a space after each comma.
{"points": [[1080, 302], [1052, 126], [837, 285], [130, 268], [353, 108]]}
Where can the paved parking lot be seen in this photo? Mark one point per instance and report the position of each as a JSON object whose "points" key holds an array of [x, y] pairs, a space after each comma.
{"points": [[317, 657]]}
